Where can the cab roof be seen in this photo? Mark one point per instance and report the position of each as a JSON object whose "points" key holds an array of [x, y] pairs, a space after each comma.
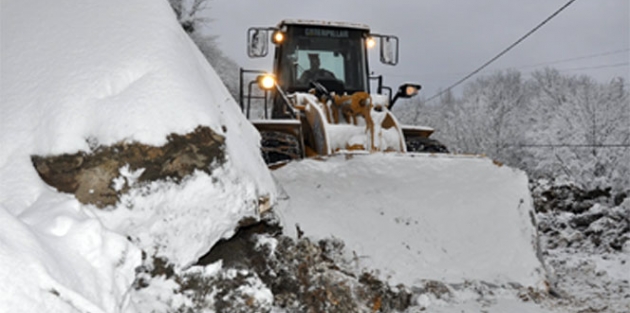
{"points": [[324, 23]]}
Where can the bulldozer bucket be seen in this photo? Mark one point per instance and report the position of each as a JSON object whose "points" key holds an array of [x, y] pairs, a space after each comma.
{"points": [[417, 217]]}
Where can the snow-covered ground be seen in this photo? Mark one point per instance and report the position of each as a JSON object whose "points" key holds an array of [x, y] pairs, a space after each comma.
{"points": [[79, 74], [76, 74], [585, 241]]}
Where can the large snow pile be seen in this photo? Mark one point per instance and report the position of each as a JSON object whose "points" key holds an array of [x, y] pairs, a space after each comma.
{"points": [[419, 217], [78, 74]]}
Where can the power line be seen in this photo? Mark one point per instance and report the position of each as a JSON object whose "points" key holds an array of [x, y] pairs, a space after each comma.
{"points": [[504, 51], [596, 67], [571, 146], [576, 58], [524, 66]]}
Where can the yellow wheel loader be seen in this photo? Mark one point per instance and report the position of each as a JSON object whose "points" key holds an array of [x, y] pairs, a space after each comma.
{"points": [[467, 217], [319, 93]]}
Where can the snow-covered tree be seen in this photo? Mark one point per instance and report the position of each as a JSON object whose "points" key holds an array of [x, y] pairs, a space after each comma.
{"points": [[498, 100], [551, 125], [192, 15], [225, 66], [488, 117], [585, 124]]}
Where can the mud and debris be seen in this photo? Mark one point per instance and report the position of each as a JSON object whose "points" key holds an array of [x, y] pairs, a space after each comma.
{"points": [[92, 175], [585, 240]]}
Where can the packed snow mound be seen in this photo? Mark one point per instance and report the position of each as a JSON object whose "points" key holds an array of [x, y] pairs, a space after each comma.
{"points": [[81, 74], [63, 261], [419, 217], [78, 73]]}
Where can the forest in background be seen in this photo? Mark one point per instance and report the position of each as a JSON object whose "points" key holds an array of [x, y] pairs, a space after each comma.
{"points": [[552, 125]]}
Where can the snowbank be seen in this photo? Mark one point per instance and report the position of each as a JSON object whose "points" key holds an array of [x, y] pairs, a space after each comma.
{"points": [[60, 260], [419, 217], [77, 74]]}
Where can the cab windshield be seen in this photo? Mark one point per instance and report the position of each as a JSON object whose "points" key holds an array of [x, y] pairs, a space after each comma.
{"points": [[324, 54]]}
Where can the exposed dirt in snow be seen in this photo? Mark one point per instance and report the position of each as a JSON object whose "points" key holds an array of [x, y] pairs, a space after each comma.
{"points": [[260, 270], [585, 242], [306, 275], [102, 175]]}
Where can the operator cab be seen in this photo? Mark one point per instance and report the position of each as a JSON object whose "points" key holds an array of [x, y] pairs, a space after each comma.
{"points": [[335, 57], [332, 54]]}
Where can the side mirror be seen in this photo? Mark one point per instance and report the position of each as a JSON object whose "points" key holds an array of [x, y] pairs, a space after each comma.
{"points": [[257, 42], [389, 50], [405, 91]]}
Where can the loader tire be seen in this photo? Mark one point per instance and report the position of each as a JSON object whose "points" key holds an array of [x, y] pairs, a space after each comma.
{"points": [[279, 146], [421, 144]]}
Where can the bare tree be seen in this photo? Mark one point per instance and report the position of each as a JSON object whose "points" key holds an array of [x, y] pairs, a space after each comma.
{"points": [[190, 13], [193, 16]]}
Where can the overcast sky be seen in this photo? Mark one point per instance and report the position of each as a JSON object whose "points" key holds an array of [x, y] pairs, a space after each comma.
{"points": [[442, 41]]}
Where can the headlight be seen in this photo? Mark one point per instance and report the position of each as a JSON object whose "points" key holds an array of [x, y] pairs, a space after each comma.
{"points": [[411, 90], [370, 42], [278, 37], [266, 81]]}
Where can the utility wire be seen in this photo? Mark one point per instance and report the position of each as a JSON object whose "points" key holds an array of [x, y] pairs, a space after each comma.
{"points": [[576, 58], [571, 146], [503, 52], [590, 56], [595, 67]]}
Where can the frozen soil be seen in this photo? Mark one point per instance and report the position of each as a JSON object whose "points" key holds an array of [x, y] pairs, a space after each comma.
{"points": [[306, 275], [261, 270], [585, 244]]}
